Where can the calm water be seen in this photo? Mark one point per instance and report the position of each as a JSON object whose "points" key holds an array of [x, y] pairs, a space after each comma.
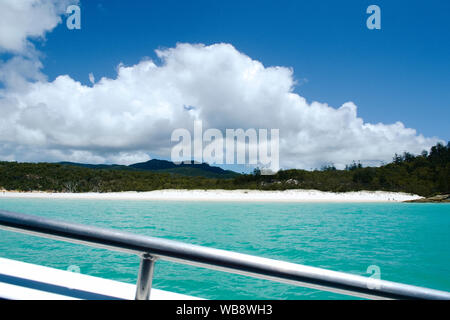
{"points": [[409, 242]]}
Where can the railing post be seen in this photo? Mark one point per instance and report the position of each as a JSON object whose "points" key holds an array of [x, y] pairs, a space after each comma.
{"points": [[145, 277]]}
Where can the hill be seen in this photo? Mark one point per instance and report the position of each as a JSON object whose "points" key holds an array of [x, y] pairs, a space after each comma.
{"points": [[164, 166], [185, 169], [427, 174]]}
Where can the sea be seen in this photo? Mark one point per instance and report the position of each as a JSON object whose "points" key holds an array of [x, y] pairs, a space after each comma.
{"points": [[404, 242]]}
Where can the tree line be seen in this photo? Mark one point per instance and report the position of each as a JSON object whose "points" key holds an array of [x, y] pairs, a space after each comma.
{"points": [[426, 174]]}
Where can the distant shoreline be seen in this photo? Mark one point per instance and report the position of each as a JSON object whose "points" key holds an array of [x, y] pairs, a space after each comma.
{"points": [[226, 195]]}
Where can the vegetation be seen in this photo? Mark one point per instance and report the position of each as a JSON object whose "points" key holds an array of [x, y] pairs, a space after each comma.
{"points": [[426, 174], [164, 166]]}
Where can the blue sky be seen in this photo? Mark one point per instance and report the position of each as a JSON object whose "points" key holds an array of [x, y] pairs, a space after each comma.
{"points": [[398, 73]]}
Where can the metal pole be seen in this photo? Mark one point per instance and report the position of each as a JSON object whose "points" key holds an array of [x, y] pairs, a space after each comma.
{"points": [[145, 277]]}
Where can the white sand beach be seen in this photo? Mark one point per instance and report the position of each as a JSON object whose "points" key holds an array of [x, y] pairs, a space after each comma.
{"points": [[227, 195]]}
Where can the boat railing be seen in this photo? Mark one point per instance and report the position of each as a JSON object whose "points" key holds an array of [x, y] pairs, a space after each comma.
{"points": [[151, 249]]}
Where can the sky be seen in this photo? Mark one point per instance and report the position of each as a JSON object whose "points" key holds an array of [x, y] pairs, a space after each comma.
{"points": [[114, 90]]}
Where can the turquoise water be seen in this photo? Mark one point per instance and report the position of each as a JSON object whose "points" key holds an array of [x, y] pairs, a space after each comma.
{"points": [[408, 242]]}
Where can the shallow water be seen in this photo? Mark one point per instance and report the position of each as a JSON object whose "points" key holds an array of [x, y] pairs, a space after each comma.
{"points": [[410, 243]]}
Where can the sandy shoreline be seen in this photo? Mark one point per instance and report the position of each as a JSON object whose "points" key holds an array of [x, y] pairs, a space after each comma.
{"points": [[227, 195]]}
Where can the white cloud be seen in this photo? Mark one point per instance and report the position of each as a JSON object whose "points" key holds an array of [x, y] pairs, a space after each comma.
{"points": [[21, 20], [17, 72], [123, 119]]}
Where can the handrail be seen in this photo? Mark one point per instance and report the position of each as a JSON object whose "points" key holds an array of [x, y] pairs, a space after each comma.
{"points": [[151, 249]]}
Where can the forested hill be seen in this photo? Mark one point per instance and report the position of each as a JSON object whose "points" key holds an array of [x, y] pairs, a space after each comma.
{"points": [[164, 166], [426, 175]]}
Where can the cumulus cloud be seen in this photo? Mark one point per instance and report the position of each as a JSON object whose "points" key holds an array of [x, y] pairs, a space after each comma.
{"points": [[21, 20], [132, 116]]}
